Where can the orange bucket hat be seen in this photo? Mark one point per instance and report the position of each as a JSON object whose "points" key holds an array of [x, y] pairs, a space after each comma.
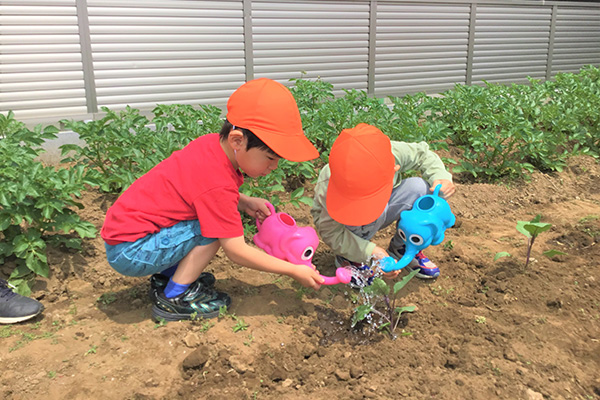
{"points": [[362, 175], [269, 110]]}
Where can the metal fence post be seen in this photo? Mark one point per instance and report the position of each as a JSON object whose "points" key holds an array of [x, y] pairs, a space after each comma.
{"points": [[248, 47], [471, 44], [551, 43], [372, 48], [87, 61]]}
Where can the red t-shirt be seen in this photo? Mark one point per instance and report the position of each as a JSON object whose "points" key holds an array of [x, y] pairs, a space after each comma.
{"points": [[197, 182]]}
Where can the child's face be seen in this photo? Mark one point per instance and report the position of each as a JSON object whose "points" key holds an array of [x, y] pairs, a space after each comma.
{"points": [[256, 162]]}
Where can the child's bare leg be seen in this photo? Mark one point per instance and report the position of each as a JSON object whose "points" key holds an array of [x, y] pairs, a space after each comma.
{"points": [[191, 266]]}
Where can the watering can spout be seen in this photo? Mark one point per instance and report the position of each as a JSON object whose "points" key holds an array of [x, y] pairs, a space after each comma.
{"points": [[389, 264], [408, 256]]}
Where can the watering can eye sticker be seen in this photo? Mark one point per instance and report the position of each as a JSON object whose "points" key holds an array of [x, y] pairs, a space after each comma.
{"points": [[280, 236], [423, 225]]}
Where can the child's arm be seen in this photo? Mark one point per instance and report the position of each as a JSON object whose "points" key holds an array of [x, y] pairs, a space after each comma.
{"points": [[239, 252], [418, 156]]}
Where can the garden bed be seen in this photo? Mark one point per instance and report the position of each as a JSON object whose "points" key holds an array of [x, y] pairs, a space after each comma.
{"points": [[484, 329]]}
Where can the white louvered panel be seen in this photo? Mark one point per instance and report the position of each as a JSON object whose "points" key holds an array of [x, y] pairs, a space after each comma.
{"points": [[577, 39], [420, 47], [505, 39], [41, 71], [325, 39], [202, 95], [150, 52]]}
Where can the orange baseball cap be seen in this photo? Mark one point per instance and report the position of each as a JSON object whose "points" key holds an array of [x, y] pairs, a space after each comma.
{"points": [[362, 175], [269, 110]]}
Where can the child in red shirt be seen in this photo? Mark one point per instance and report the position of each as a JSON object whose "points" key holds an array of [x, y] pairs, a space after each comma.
{"points": [[171, 221]]}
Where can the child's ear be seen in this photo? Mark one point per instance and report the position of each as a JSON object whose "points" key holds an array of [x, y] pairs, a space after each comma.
{"points": [[236, 139]]}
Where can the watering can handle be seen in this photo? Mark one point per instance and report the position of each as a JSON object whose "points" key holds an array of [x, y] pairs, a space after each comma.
{"points": [[436, 191], [271, 208]]}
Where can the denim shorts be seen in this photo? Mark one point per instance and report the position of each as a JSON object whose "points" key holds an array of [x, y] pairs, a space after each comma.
{"points": [[156, 252]]}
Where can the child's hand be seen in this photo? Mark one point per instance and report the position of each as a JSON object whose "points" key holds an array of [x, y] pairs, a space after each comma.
{"points": [[307, 276], [447, 188], [378, 254], [254, 207]]}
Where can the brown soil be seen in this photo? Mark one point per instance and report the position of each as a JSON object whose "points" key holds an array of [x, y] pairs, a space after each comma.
{"points": [[484, 329]]}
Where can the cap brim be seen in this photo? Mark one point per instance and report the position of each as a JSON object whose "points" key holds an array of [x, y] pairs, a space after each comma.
{"points": [[356, 212], [295, 148]]}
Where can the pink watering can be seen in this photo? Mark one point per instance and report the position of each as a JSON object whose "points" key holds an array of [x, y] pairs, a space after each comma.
{"points": [[279, 236]]}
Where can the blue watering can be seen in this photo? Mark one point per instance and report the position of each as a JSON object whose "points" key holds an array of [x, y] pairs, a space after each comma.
{"points": [[423, 225]]}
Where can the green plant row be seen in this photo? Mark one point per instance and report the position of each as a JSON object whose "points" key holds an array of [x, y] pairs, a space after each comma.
{"points": [[498, 131], [37, 203], [493, 132]]}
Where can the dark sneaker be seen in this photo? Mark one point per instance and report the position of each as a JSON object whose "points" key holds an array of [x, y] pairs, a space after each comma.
{"points": [[426, 268], [196, 302], [158, 283], [362, 274], [16, 308]]}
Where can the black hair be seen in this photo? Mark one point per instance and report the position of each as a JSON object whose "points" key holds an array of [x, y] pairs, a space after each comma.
{"points": [[253, 140]]}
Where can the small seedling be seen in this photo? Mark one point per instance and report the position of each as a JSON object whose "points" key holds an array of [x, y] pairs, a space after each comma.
{"points": [[449, 245], [249, 341], [223, 312], [379, 293], [161, 322], [240, 324], [206, 326], [531, 229], [107, 298]]}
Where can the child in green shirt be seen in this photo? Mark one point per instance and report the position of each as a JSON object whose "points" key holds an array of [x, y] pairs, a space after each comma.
{"points": [[362, 191]]}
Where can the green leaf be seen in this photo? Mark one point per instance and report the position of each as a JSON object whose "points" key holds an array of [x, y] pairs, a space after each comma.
{"points": [[297, 193], [20, 271], [361, 313], [37, 262], [306, 200], [400, 310], [551, 253], [85, 229], [501, 254], [378, 288], [532, 229], [400, 284]]}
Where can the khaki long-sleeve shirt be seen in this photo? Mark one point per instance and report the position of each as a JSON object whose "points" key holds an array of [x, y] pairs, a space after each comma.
{"points": [[410, 156]]}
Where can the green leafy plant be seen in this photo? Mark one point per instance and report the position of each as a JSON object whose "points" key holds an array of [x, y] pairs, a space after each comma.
{"points": [[37, 202], [531, 229], [240, 324], [117, 149], [379, 300], [91, 350]]}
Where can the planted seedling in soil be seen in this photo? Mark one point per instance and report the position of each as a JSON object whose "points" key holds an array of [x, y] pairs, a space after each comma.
{"points": [[531, 229], [379, 302]]}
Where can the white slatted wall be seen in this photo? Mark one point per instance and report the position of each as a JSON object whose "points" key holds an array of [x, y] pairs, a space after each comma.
{"points": [[511, 43], [420, 47], [145, 52], [149, 51], [41, 73], [329, 40], [577, 39]]}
